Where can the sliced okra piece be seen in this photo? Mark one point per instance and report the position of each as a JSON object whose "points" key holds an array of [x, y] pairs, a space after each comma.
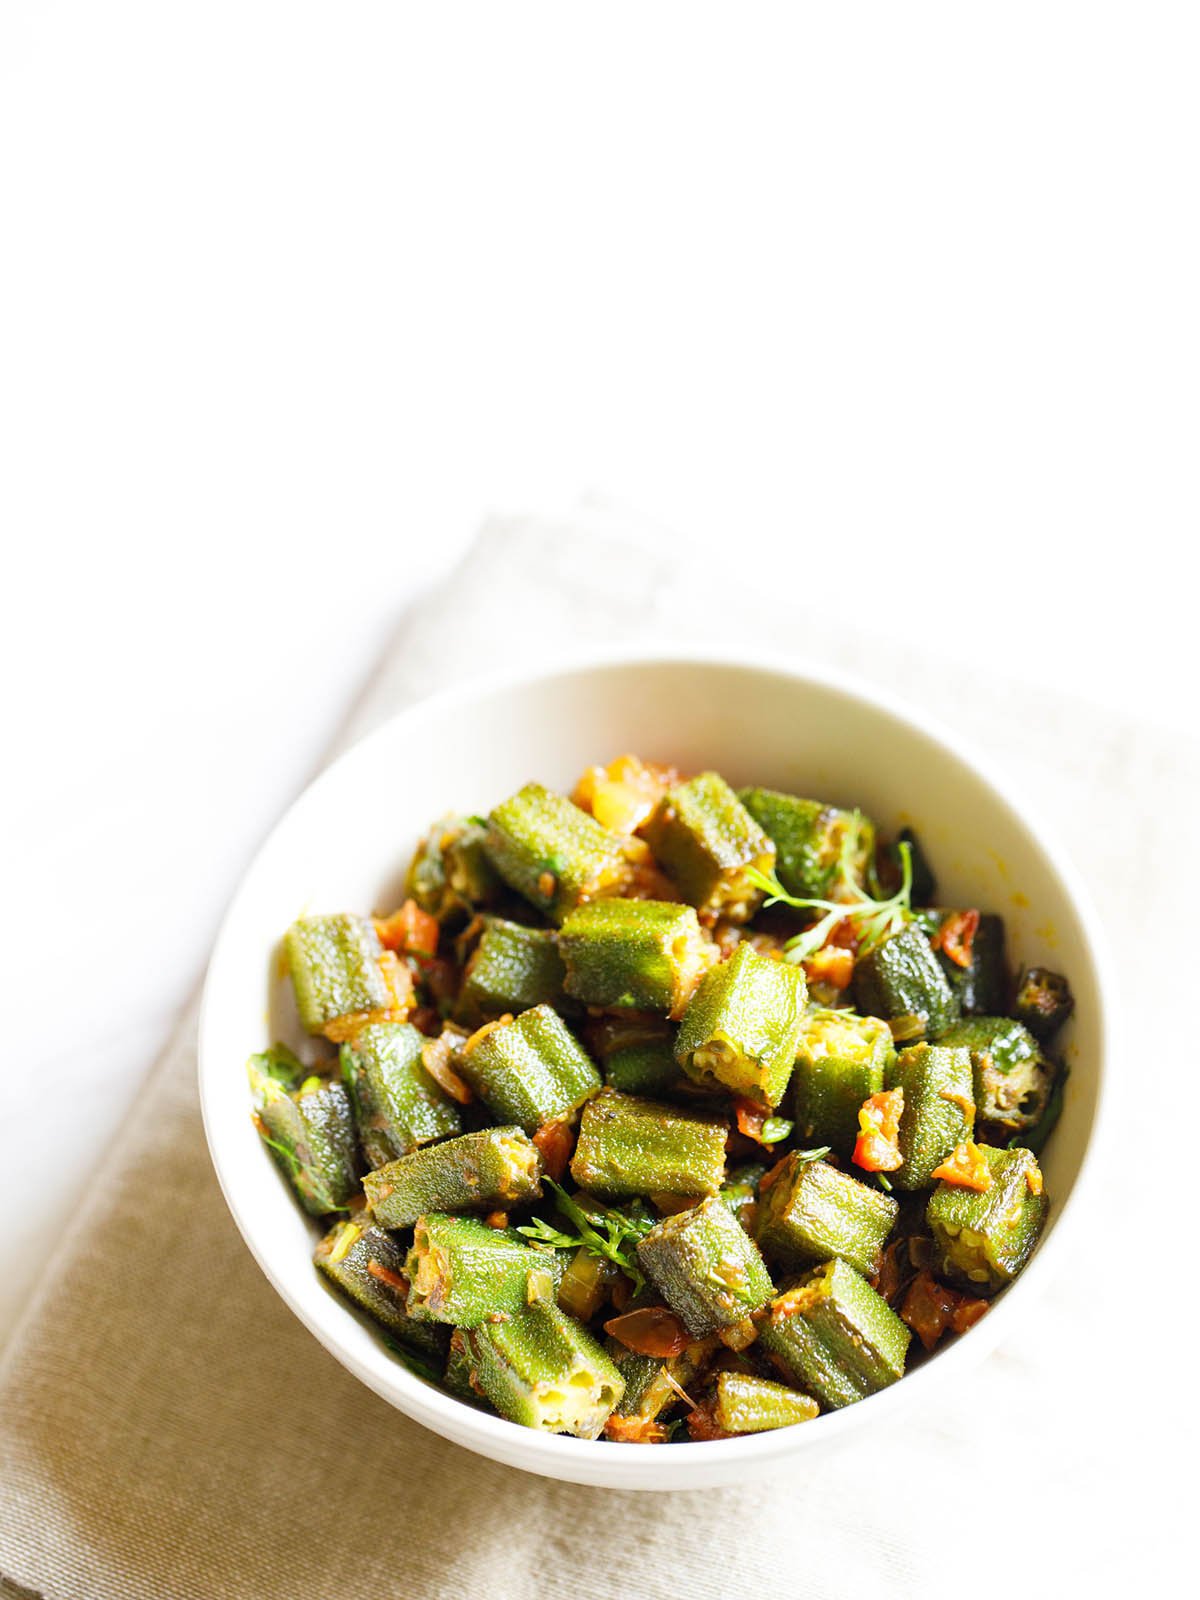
{"points": [[511, 969], [820, 851], [342, 975], [586, 1284], [739, 1192], [900, 980], [541, 1368], [969, 946], [984, 1238], [649, 1068], [456, 1379], [743, 1026], [462, 1272], [397, 1105], [451, 868], [746, 1404], [706, 1267], [841, 1061], [1044, 1002], [810, 1211], [652, 1383], [309, 1129], [553, 853], [492, 1169], [939, 1108], [834, 1336], [704, 839], [634, 955], [530, 1069], [628, 1146], [1013, 1080], [367, 1265]]}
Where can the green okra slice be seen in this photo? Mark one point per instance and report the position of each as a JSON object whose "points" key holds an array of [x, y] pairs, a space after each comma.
{"points": [[367, 1265], [628, 1146], [456, 1379], [555, 854], [739, 1192], [705, 840], [746, 1404], [981, 986], [492, 1169], [1012, 1078], [983, 1239], [842, 1060], [743, 1025], [542, 1369], [647, 1068], [341, 974], [512, 968], [810, 1211], [586, 1284], [397, 1105], [462, 1272], [706, 1267], [652, 1383], [819, 849], [530, 1069], [1044, 1002], [834, 1336], [451, 869], [939, 1108], [634, 955], [309, 1129], [900, 980]]}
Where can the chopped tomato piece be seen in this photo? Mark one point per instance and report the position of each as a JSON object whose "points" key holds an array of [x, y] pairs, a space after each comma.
{"points": [[928, 1307], [622, 795], [385, 1275], [702, 1423], [832, 965], [650, 1331], [410, 929], [555, 1142], [967, 1313], [635, 1430], [497, 1219], [956, 936], [966, 1166], [877, 1148]]}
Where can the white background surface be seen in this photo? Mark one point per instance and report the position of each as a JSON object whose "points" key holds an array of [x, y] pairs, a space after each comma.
{"points": [[894, 305]]}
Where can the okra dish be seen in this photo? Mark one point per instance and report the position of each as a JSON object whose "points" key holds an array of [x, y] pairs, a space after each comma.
{"points": [[665, 1111]]}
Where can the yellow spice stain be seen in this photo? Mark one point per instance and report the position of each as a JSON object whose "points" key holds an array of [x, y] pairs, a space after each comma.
{"points": [[1048, 933], [1021, 901], [1001, 864]]}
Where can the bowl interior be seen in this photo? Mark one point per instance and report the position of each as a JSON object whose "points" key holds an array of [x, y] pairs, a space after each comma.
{"points": [[347, 841]]}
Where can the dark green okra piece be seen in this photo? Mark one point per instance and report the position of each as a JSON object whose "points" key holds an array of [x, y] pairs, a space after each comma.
{"points": [[652, 1383], [397, 1105], [704, 839], [628, 1146], [555, 854], [819, 849], [367, 1265], [981, 986], [810, 1211], [461, 1271], [541, 1368], [512, 968], [983, 1239], [1013, 1080], [842, 1060], [456, 1379], [451, 870], [706, 1267], [308, 1125], [938, 1108], [746, 1404], [924, 883], [647, 1068], [530, 1070], [743, 1026], [834, 1336], [900, 979], [1044, 1002], [341, 974], [490, 1170], [634, 955], [740, 1192]]}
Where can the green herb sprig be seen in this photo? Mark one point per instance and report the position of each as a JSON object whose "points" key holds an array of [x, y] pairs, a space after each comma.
{"points": [[875, 919], [609, 1235]]}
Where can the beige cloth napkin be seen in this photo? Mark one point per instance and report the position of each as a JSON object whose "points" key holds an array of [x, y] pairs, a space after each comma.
{"points": [[167, 1428]]}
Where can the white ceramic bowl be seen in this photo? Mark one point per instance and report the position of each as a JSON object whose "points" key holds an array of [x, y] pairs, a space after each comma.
{"points": [[345, 843]]}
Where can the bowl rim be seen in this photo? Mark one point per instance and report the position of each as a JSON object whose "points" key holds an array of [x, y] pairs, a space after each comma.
{"points": [[632, 1465]]}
